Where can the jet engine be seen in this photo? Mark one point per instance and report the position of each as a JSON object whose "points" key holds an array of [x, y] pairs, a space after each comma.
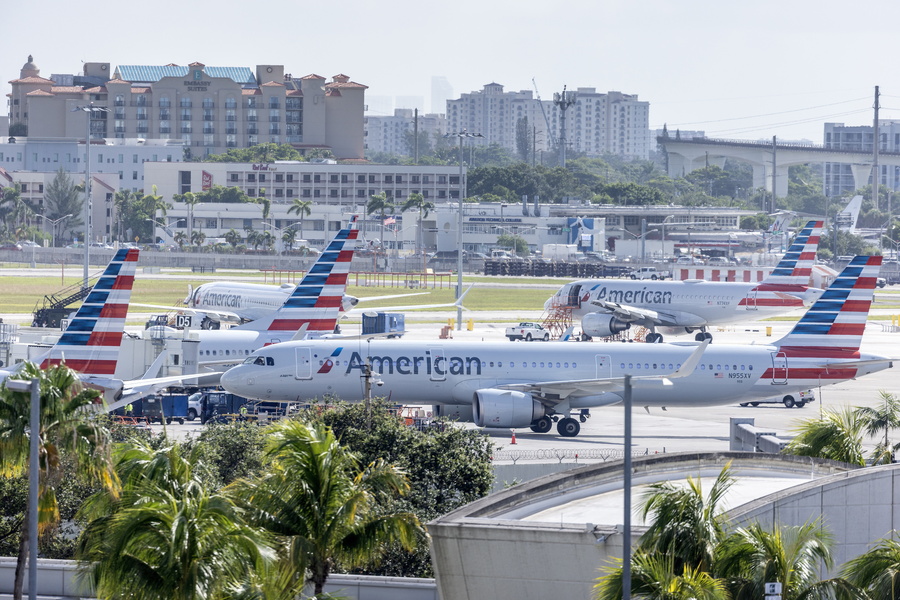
{"points": [[505, 408], [602, 325], [454, 412]]}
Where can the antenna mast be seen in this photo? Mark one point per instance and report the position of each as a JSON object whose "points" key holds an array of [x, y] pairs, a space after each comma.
{"points": [[563, 101]]}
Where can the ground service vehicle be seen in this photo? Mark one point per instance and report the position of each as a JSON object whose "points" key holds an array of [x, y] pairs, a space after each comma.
{"points": [[650, 273], [528, 332], [393, 324], [792, 400]]}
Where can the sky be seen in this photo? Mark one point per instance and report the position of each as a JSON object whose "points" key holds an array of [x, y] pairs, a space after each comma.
{"points": [[748, 70]]}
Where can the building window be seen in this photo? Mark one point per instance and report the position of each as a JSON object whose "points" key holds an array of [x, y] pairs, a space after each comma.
{"points": [[208, 103], [184, 102], [230, 103]]}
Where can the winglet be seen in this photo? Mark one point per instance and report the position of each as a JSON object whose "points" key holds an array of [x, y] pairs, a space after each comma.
{"points": [[688, 366]]}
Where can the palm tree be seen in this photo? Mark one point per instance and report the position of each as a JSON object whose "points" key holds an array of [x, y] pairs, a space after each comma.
{"points": [[418, 202], [790, 555], [233, 237], [167, 536], [324, 508], [381, 204], [289, 237], [877, 571], [684, 523], [197, 238], [653, 577], [837, 435], [303, 208], [884, 417], [264, 202], [181, 239], [65, 426], [191, 200]]}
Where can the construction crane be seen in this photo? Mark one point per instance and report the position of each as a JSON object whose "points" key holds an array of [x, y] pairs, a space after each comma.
{"points": [[544, 112]]}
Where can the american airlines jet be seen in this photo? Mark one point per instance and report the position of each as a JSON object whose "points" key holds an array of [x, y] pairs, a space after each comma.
{"points": [[503, 385], [610, 306], [311, 310], [91, 343]]}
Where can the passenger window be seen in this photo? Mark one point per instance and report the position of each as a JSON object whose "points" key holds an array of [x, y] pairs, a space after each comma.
{"points": [[702, 367], [574, 366], [557, 365], [542, 364], [638, 366], [492, 363], [534, 365], [566, 365]]}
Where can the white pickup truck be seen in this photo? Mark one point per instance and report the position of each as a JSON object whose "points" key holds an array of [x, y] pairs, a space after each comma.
{"points": [[527, 332], [650, 273], [792, 400]]}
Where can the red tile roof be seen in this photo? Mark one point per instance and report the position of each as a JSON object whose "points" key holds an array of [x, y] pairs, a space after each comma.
{"points": [[312, 76], [66, 89], [32, 80], [250, 92], [333, 93], [118, 82], [345, 85], [39, 93], [272, 84], [294, 93], [196, 64]]}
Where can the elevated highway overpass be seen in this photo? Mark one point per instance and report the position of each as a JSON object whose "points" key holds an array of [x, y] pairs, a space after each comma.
{"points": [[686, 155]]}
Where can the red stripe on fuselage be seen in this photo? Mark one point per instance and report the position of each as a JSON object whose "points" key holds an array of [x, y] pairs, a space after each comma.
{"points": [[295, 324], [785, 302], [814, 373], [820, 352], [790, 288]]}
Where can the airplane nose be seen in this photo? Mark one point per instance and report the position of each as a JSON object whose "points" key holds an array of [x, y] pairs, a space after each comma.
{"points": [[231, 380]]}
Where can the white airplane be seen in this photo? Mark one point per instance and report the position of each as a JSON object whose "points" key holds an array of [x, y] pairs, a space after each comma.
{"points": [[91, 343], [609, 306], [503, 385], [219, 302]]}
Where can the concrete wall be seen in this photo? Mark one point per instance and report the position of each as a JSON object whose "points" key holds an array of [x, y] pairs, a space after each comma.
{"points": [[58, 579], [858, 508]]}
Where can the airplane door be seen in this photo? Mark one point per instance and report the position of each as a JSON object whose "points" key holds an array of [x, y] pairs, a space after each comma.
{"points": [[603, 368], [303, 362], [439, 364], [574, 296], [751, 300], [779, 368]]}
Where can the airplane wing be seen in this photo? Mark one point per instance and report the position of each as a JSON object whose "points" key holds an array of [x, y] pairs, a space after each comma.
{"points": [[215, 315], [643, 316], [585, 387], [456, 303], [391, 297]]}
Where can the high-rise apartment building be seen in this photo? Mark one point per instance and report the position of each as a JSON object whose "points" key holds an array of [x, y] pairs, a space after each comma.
{"points": [[210, 109], [839, 176], [395, 134], [596, 123]]}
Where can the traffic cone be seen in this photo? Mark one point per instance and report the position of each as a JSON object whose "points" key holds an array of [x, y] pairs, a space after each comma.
{"points": [[513, 441]]}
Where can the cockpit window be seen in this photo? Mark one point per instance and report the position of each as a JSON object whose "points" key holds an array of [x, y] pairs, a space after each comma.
{"points": [[249, 361], [270, 362], [260, 361]]}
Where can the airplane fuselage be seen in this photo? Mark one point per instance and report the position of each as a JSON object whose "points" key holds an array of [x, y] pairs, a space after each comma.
{"points": [[248, 301], [450, 372], [690, 303]]}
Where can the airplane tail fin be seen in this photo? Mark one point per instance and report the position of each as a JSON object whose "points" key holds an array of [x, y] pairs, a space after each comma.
{"points": [[90, 344], [836, 322], [796, 265], [316, 301]]}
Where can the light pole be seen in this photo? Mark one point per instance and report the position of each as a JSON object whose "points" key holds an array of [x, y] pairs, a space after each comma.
{"points": [[34, 387], [459, 232], [89, 111], [53, 223], [663, 225]]}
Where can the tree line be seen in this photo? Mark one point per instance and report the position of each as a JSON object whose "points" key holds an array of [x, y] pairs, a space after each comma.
{"points": [[242, 511]]}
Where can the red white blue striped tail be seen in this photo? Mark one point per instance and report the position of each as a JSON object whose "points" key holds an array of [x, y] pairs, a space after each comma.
{"points": [[795, 267], [836, 322], [316, 301], [91, 342]]}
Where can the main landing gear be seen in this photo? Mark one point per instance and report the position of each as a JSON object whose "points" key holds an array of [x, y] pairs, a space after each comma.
{"points": [[702, 335], [566, 426], [654, 338]]}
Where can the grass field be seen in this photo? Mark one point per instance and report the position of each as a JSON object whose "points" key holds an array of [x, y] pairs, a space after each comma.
{"points": [[22, 294]]}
